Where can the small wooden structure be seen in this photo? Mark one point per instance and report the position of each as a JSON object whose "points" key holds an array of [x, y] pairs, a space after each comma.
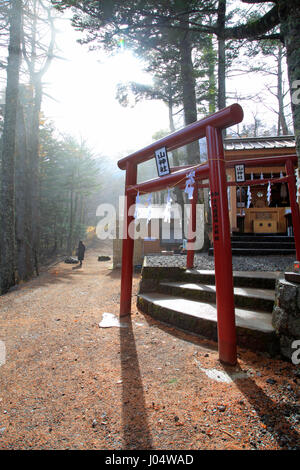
{"points": [[262, 216]]}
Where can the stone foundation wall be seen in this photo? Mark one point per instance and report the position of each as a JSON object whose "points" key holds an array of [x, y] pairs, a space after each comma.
{"points": [[138, 254], [286, 315]]}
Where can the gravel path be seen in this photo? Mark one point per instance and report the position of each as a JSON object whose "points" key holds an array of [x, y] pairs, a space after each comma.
{"points": [[240, 263], [68, 384]]}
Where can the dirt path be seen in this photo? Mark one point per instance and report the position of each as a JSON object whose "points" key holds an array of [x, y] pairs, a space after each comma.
{"points": [[68, 384]]}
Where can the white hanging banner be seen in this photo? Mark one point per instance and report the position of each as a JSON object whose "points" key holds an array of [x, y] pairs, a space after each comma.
{"points": [[228, 198], [269, 193], [162, 162], [149, 205], [167, 211], [261, 177], [249, 197], [189, 186], [137, 206]]}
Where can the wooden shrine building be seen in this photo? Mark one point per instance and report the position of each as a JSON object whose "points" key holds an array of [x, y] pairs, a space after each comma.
{"points": [[264, 214]]}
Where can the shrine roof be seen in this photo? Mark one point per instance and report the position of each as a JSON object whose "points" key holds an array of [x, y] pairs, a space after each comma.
{"points": [[256, 143]]}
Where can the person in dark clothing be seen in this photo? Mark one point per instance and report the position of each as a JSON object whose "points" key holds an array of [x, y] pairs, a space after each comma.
{"points": [[80, 253]]}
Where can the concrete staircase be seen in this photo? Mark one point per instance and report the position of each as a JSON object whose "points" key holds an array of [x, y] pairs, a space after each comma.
{"points": [[187, 299], [261, 245]]}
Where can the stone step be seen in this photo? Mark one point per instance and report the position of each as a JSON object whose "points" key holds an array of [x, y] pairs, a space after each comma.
{"points": [[245, 297], [263, 244], [246, 237], [254, 329], [258, 252], [152, 276]]}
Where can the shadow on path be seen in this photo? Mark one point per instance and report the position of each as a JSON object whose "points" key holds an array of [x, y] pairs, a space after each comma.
{"points": [[271, 414], [136, 432]]}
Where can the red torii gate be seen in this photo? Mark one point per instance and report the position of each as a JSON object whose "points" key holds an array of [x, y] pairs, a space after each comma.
{"points": [[214, 170]]}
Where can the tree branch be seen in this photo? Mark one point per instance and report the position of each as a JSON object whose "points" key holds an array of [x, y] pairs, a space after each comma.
{"points": [[276, 36], [259, 1], [51, 43], [254, 29]]}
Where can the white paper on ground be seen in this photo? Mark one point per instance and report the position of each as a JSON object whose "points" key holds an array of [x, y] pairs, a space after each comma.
{"points": [[2, 353], [109, 320], [221, 376]]}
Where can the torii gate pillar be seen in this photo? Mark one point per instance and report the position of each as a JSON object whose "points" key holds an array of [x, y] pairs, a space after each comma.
{"points": [[128, 243], [222, 247]]}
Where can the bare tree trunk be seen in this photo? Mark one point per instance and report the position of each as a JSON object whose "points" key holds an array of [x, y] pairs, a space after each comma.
{"points": [[76, 234], [290, 27], [55, 240], [221, 74], [172, 128], [212, 86], [282, 125], [71, 224], [23, 198], [7, 246], [189, 87], [178, 191], [221, 56], [188, 81], [30, 54], [35, 170], [20, 184]]}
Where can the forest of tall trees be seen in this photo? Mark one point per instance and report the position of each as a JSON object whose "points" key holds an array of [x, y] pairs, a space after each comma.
{"points": [[191, 48], [46, 178]]}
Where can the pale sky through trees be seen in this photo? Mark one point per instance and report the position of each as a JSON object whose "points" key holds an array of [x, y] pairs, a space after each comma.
{"points": [[84, 87]]}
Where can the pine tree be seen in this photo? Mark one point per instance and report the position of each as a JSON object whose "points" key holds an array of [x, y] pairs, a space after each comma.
{"points": [[7, 245]]}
